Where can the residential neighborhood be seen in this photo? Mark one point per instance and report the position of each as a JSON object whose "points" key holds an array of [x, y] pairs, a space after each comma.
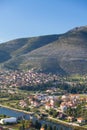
{"points": [[43, 95], [15, 79], [63, 106]]}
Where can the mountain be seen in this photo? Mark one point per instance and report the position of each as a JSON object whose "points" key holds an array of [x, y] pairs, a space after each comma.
{"points": [[63, 54]]}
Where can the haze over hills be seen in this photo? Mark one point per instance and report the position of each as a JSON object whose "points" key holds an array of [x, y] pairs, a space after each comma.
{"points": [[62, 54]]}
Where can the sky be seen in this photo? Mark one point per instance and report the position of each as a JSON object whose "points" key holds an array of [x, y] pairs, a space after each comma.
{"points": [[28, 18]]}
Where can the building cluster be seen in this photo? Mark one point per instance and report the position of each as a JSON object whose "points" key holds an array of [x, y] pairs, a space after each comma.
{"points": [[9, 79], [72, 101], [39, 100], [49, 103]]}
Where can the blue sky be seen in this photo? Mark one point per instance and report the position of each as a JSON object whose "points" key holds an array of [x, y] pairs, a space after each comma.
{"points": [[27, 18]]}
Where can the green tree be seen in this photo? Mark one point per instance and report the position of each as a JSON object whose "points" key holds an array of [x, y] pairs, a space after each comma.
{"points": [[55, 114], [37, 125]]}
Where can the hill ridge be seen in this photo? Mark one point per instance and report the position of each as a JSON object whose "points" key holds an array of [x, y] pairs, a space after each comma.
{"points": [[62, 54]]}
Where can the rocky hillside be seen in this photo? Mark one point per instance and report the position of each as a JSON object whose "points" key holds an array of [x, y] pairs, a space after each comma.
{"points": [[62, 54]]}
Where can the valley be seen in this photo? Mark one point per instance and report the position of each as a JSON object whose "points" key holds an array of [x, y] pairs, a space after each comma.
{"points": [[46, 76], [46, 96]]}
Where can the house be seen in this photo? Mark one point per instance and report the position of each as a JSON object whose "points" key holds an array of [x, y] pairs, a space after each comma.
{"points": [[74, 96], [52, 102], [35, 103], [47, 106], [80, 120], [82, 99], [22, 103], [8, 120], [65, 98], [86, 106], [63, 107], [70, 118]]}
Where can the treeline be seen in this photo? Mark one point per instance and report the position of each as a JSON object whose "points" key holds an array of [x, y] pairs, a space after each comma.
{"points": [[78, 88], [40, 87]]}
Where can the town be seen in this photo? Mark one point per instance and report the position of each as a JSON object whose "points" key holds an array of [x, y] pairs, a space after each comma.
{"points": [[71, 108], [42, 98], [14, 79]]}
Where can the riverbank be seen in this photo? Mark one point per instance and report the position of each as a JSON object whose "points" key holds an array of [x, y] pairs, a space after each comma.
{"points": [[15, 109], [73, 126], [49, 120], [30, 113], [17, 113]]}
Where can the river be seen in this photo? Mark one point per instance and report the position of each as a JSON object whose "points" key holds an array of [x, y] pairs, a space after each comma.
{"points": [[14, 113]]}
